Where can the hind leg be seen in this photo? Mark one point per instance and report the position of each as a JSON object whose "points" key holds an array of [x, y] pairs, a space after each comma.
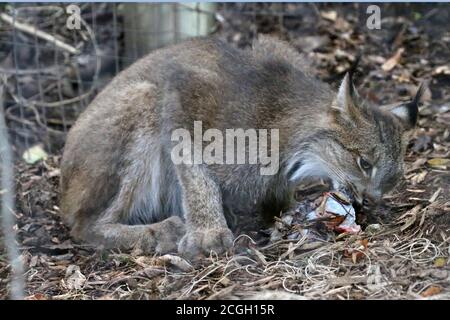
{"points": [[161, 237], [111, 230]]}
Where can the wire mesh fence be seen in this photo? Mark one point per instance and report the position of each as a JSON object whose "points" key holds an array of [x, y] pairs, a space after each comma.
{"points": [[51, 71]]}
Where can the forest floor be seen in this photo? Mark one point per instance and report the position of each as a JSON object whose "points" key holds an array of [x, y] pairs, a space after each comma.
{"points": [[406, 258]]}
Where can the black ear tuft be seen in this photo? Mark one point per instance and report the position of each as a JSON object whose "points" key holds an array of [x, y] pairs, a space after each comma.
{"points": [[408, 112], [354, 66], [352, 71], [414, 104], [419, 95]]}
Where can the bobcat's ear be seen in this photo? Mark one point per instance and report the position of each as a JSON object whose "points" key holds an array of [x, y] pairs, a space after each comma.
{"points": [[346, 99], [408, 112]]}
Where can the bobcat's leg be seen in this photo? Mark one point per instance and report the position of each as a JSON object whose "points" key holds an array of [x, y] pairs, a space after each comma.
{"points": [[206, 227], [110, 228], [161, 237]]}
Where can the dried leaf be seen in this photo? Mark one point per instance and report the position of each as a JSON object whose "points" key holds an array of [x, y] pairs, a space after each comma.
{"points": [[145, 261], [431, 291], [365, 243], [34, 154], [357, 256], [54, 173], [438, 162], [393, 61], [329, 15], [440, 262], [225, 281], [37, 296], [419, 178], [435, 195], [354, 257], [408, 223], [176, 261], [411, 217], [441, 70], [357, 253], [373, 228], [74, 278]]}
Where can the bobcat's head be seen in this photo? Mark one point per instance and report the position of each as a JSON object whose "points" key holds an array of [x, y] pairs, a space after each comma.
{"points": [[363, 148]]}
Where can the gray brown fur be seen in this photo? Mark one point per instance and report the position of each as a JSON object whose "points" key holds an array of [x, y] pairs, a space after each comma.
{"points": [[120, 188]]}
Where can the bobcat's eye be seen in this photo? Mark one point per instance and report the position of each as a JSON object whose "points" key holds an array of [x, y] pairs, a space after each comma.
{"points": [[364, 165]]}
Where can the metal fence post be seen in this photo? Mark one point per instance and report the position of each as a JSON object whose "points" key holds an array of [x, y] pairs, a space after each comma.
{"points": [[7, 214]]}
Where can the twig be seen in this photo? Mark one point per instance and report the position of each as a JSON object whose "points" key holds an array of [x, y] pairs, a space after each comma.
{"points": [[26, 72], [40, 34]]}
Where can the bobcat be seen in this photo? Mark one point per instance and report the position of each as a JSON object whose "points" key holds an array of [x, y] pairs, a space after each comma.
{"points": [[120, 188]]}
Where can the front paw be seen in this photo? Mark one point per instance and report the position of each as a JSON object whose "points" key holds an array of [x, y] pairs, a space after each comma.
{"points": [[202, 242]]}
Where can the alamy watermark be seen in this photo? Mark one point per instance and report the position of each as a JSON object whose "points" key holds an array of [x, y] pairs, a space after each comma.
{"points": [[374, 20], [230, 146], [74, 19]]}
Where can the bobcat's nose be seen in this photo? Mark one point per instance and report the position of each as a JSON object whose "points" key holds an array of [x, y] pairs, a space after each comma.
{"points": [[366, 202], [370, 200]]}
